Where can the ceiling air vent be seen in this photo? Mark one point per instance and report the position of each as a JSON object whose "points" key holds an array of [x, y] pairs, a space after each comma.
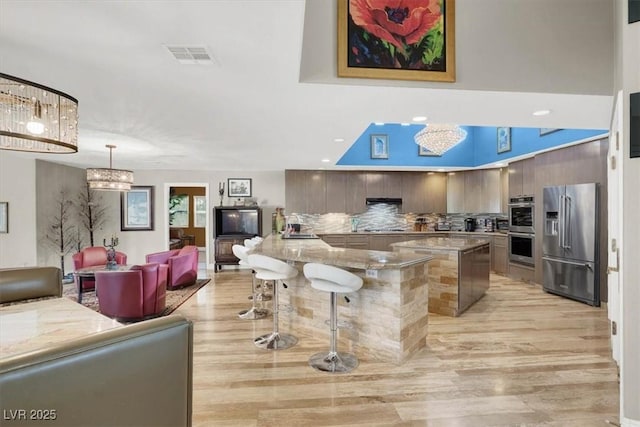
{"points": [[191, 54]]}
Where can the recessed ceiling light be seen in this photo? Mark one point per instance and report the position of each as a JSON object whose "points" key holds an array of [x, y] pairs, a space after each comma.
{"points": [[378, 123], [325, 160], [419, 119], [542, 112], [338, 140]]}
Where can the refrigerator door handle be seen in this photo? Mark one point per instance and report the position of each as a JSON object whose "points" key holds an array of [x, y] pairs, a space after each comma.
{"points": [[579, 264], [561, 221], [567, 222]]}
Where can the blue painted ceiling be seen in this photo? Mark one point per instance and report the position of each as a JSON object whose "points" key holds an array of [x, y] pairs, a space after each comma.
{"points": [[479, 147]]}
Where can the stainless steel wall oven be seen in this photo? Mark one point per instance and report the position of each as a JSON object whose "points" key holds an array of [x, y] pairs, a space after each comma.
{"points": [[522, 248], [521, 214]]}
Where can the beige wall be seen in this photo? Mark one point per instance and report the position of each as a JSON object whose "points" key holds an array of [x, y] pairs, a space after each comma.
{"points": [[569, 39], [17, 183], [51, 180]]}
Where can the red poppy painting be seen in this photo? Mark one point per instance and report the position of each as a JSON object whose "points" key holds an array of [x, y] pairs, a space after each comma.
{"points": [[396, 39]]}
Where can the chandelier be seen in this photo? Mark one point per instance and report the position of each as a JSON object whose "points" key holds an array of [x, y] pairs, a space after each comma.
{"points": [[36, 118], [109, 179], [439, 138]]}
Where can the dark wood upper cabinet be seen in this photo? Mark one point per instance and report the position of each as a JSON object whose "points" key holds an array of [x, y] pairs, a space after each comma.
{"points": [[522, 178], [424, 192], [305, 191], [384, 184], [356, 192], [336, 192]]}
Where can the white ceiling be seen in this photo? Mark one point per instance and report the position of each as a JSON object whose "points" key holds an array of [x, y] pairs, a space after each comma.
{"points": [[271, 100]]}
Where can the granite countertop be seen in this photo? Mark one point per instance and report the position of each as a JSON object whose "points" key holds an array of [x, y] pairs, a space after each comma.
{"points": [[315, 250], [423, 233], [442, 244]]}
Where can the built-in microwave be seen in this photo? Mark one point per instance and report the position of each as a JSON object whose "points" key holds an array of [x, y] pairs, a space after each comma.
{"points": [[521, 214], [521, 248]]}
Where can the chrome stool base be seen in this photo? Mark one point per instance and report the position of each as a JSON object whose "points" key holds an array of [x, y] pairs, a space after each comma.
{"points": [[253, 313], [275, 341], [333, 362]]}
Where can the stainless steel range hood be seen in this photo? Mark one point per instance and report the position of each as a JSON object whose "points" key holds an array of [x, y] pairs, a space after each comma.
{"points": [[386, 200]]}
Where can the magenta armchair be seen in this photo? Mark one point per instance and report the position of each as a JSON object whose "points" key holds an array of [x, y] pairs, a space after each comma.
{"points": [[92, 256], [182, 265], [135, 294]]}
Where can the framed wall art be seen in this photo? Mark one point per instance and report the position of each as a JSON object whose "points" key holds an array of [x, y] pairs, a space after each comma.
{"points": [[239, 187], [379, 146], [413, 41], [423, 151], [4, 217], [504, 140], [136, 209]]}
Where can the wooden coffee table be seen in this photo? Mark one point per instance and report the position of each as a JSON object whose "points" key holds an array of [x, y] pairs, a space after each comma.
{"points": [[90, 273]]}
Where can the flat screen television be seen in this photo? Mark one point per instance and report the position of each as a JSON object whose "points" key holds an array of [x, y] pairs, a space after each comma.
{"points": [[233, 221]]}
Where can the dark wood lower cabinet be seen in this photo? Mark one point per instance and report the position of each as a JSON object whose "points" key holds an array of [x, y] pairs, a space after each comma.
{"points": [[500, 255], [224, 253]]}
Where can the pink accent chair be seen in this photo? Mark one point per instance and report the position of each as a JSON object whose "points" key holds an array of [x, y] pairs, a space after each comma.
{"points": [[92, 256], [135, 294], [182, 264]]}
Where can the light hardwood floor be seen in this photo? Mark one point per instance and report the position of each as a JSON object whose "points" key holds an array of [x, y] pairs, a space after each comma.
{"points": [[518, 357]]}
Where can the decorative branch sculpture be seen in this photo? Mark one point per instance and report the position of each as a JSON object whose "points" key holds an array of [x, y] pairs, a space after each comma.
{"points": [[92, 211], [59, 232]]}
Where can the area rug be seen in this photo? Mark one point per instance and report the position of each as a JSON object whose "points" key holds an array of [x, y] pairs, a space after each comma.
{"points": [[175, 298]]}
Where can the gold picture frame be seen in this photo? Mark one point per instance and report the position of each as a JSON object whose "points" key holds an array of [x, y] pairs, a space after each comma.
{"points": [[393, 56]]}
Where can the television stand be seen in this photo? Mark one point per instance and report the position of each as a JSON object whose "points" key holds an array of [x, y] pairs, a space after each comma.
{"points": [[224, 253]]}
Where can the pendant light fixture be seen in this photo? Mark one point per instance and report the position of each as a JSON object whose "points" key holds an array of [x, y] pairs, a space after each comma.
{"points": [[109, 179], [439, 138], [36, 118]]}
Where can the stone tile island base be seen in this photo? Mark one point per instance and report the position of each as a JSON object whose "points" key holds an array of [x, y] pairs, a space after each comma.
{"points": [[458, 272], [385, 320]]}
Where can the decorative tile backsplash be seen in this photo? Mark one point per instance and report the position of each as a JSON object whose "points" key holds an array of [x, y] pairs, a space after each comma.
{"points": [[386, 217]]}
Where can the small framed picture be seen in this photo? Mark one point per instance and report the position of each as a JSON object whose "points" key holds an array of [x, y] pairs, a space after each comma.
{"points": [[239, 187], [546, 131], [136, 209], [379, 146], [504, 140], [4, 217], [422, 151]]}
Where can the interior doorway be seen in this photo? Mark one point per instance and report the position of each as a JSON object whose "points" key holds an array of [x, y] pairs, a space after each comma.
{"points": [[187, 219]]}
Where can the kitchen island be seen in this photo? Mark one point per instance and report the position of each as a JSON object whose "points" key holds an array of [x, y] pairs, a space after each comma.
{"points": [[385, 320], [458, 273]]}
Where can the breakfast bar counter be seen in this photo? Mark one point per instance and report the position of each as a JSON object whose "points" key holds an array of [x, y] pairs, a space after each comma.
{"points": [[385, 320], [458, 273]]}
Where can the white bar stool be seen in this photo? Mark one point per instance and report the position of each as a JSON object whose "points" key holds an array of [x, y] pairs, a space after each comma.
{"points": [[334, 280], [268, 268], [242, 253], [262, 295]]}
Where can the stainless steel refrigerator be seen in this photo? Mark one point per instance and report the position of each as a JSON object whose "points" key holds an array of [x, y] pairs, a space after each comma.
{"points": [[570, 242]]}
